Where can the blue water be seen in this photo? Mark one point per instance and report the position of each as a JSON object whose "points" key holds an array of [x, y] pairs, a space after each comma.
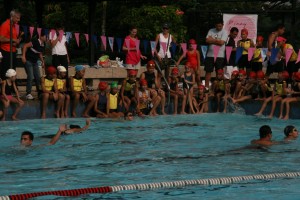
{"points": [[165, 148]]}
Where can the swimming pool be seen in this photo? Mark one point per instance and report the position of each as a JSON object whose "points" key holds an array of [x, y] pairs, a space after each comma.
{"points": [[165, 148]]}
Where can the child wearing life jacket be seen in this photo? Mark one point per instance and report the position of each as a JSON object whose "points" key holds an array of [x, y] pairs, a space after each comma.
{"points": [[257, 60], [128, 89], [63, 95], [218, 87], [49, 89], [114, 101], [79, 91], [10, 94]]}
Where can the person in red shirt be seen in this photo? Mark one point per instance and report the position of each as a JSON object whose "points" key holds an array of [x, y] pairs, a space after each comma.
{"points": [[5, 42]]}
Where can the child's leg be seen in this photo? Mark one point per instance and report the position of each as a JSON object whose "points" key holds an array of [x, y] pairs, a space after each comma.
{"points": [[175, 103], [18, 108], [218, 101], [76, 97], [184, 100], [287, 108], [155, 103], [60, 104], [263, 107], [162, 95], [190, 96], [275, 100], [66, 105], [281, 107], [5, 107], [45, 98], [90, 103]]}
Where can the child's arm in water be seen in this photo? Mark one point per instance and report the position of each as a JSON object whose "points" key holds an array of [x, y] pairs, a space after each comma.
{"points": [[61, 129]]}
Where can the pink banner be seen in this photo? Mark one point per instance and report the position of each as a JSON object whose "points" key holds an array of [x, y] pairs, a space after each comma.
{"points": [[184, 48], [164, 46], [194, 46], [77, 38], [17, 27], [298, 59], [288, 53], [31, 29], [39, 30], [103, 39], [250, 53], [52, 33], [111, 43], [86, 37], [228, 52], [216, 52], [137, 45], [61, 34], [153, 47]]}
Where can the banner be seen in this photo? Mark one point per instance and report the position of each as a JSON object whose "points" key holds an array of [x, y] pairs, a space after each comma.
{"points": [[77, 38], [288, 54], [119, 43], [239, 53], [153, 47], [241, 21], [216, 51], [250, 53], [204, 50], [111, 43], [86, 38], [298, 59], [103, 39], [228, 50]]}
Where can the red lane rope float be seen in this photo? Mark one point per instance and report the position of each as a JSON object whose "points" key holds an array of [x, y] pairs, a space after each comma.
{"points": [[74, 192]]}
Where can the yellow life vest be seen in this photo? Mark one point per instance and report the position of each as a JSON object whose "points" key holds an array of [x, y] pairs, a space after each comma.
{"points": [[113, 101], [279, 88], [49, 84], [60, 83], [246, 44], [257, 55], [77, 84], [144, 95], [222, 85]]}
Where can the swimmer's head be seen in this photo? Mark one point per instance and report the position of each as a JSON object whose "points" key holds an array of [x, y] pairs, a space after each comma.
{"points": [[74, 126], [290, 130], [264, 131], [26, 138]]}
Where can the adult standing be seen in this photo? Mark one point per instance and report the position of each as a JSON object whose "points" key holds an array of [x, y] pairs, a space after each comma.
{"points": [[133, 53], [8, 32], [164, 55], [32, 52], [215, 37], [230, 42]]}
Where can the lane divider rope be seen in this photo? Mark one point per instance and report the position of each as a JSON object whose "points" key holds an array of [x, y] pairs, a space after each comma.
{"points": [[151, 186]]}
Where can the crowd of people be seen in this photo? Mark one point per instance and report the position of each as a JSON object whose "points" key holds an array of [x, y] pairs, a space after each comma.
{"points": [[236, 80]]}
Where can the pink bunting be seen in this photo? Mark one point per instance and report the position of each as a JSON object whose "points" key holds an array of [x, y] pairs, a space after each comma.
{"points": [[298, 59], [184, 48], [194, 46], [153, 47], [111, 43], [52, 33], [164, 46], [137, 45], [228, 52], [216, 52], [250, 53], [86, 37], [39, 30], [288, 54], [31, 29], [17, 27], [77, 38], [61, 33], [103, 39]]}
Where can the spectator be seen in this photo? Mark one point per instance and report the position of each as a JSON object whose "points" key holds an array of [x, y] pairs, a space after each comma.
{"points": [[231, 65]]}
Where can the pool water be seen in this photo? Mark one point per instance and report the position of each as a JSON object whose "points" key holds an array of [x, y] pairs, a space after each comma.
{"points": [[155, 149]]}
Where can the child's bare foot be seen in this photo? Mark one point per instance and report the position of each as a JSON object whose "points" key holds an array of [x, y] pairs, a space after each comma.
{"points": [[43, 116], [286, 118], [85, 115], [163, 113], [74, 114], [14, 118], [258, 114], [183, 113], [56, 114]]}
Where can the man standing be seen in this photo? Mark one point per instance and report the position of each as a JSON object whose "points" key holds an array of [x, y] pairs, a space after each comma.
{"points": [[5, 37], [215, 37], [231, 65]]}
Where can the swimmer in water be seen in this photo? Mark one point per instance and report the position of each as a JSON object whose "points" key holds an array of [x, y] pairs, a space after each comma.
{"points": [[290, 132], [265, 137], [76, 128]]}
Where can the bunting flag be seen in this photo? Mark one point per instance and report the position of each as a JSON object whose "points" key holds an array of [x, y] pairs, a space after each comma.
{"points": [[77, 38], [298, 59], [52, 33], [173, 48], [228, 51], [39, 31], [216, 51], [111, 43], [103, 39], [145, 44], [86, 38], [31, 29], [238, 55], [153, 47], [263, 53], [46, 32], [137, 45], [61, 34], [250, 53], [204, 51], [184, 48], [68, 36], [119, 43], [164, 46], [274, 53], [288, 54], [127, 43], [25, 31], [95, 40], [17, 27], [194, 46]]}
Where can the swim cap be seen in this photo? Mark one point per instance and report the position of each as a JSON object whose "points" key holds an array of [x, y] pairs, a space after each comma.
{"points": [[243, 72], [288, 129], [260, 38], [192, 41], [252, 75], [61, 68], [132, 72], [175, 70], [281, 39], [79, 68], [51, 70], [235, 73], [114, 84], [244, 31], [102, 85], [188, 64], [220, 71], [285, 75], [260, 74], [150, 63], [143, 82], [297, 76], [10, 73], [201, 87]]}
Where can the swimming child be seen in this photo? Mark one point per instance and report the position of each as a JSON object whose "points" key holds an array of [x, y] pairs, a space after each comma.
{"points": [[290, 132], [10, 94], [76, 128]]}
